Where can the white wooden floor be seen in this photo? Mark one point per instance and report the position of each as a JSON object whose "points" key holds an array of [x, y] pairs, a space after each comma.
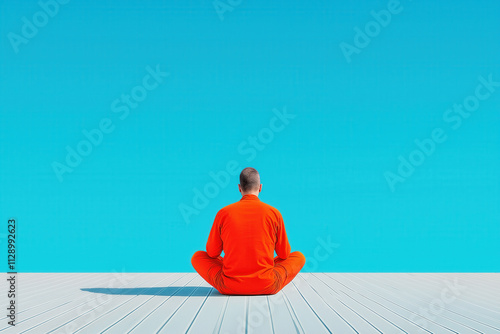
{"points": [[313, 303]]}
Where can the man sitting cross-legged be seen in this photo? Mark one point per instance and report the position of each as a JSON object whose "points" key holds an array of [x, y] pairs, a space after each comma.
{"points": [[248, 231]]}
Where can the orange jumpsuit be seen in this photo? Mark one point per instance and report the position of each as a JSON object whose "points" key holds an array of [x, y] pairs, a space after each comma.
{"points": [[248, 231]]}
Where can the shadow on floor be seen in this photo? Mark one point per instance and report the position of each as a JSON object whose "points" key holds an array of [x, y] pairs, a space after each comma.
{"points": [[159, 291]]}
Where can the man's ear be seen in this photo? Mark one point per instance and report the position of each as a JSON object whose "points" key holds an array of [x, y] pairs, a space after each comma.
{"points": [[239, 187], [260, 187]]}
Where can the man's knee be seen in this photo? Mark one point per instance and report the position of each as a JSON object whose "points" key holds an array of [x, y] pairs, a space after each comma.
{"points": [[300, 258], [198, 255]]}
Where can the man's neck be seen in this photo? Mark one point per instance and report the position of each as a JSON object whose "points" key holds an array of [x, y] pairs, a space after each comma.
{"points": [[255, 194]]}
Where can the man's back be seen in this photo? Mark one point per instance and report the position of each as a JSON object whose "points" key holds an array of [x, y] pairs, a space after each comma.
{"points": [[249, 231]]}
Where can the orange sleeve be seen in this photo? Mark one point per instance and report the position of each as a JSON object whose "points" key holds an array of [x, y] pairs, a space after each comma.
{"points": [[214, 243], [282, 247]]}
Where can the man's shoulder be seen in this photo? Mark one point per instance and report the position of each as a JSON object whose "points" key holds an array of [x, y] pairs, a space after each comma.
{"points": [[271, 208], [236, 206], [227, 208]]}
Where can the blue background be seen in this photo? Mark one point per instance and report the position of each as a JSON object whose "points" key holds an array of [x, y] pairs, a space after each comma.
{"points": [[119, 209]]}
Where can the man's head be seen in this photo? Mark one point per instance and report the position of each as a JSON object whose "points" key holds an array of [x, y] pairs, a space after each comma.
{"points": [[250, 182]]}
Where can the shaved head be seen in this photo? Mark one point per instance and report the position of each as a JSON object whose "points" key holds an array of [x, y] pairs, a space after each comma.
{"points": [[249, 179]]}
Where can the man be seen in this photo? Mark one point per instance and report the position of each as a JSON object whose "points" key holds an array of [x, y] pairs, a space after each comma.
{"points": [[248, 231]]}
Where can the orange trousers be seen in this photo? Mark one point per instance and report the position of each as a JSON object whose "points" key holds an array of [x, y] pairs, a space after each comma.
{"points": [[211, 270]]}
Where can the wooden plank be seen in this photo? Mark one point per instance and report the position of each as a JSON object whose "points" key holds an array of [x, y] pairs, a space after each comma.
{"points": [[84, 309], [31, 296], [130, 321], [165, 311], [282, 320], [384, 318], [411, 306], [312, 303], [308, 320], [485, 282], [259, 315], [484, 309], [432, 297], [365, 297], [35, 315], [358, 315], [28, 317], [42, 306], [434, 303], [187, 313], [471, 293], [39, 305], [331, 318], [112, 317], [442, 301], [211, 313], [234, 319], [27, 281]]}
